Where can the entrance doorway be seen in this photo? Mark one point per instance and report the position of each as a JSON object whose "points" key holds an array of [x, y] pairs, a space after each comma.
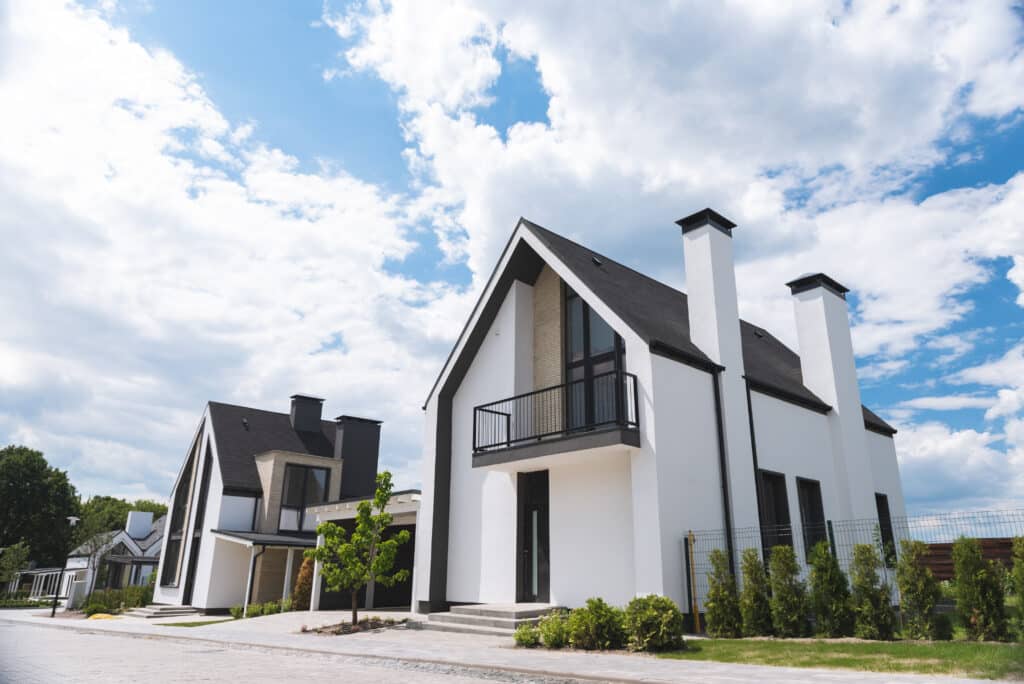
{"points": [[533, 569]]}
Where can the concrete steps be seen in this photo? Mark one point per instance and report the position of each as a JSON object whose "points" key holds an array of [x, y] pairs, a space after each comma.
{"points": [[496, 619], [163, 611]]}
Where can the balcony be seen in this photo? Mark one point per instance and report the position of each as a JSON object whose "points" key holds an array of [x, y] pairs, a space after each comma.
{"points": [[583, 414]]}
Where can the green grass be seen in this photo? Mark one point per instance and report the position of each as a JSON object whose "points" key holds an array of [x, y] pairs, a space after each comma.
{"points": [[988, 661], [197, 623]]}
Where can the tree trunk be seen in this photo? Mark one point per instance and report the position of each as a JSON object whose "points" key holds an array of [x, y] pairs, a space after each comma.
{"points": [[355, 607]]}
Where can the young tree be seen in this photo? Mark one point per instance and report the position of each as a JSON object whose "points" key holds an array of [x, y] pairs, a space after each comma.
{"points": [[1017, 583], [351, 562], [830, 594], [722, 609], [919, 590], [755, 606], [789, 595], [303, 586], [979, 591], [12, 559], [35, 501], [872, 609]]}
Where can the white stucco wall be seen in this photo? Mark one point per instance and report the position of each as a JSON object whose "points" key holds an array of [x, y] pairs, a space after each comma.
{"points": [[885, 471], [425, 522], [685, 439], [482, 514], [591, 530], [225, 587]]}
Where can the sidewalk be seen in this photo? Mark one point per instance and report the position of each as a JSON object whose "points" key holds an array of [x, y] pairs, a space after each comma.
{"points": [[484, 652]]}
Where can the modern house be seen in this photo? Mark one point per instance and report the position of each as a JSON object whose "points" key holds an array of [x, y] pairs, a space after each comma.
{"points": [[238, 521], [589, 417], [119, 558]]}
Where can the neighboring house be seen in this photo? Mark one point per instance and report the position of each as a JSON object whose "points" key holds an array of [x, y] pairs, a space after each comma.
{"points": [[119, 558], [238, 524], [589, 417]]}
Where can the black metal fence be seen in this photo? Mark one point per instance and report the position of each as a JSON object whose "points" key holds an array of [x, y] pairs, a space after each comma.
{"points": [[994, 529], [605, 400]]}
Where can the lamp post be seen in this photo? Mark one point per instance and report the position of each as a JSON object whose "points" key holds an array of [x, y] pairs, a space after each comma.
{"points": [[72, 521]]}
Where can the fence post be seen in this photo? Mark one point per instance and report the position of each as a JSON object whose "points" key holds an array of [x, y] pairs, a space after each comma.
{"points": [[832, 539], [693, 580], [689, 581]]}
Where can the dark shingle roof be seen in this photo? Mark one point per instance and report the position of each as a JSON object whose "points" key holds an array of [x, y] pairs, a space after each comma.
{"points": [[659, 314], [238, 442]]}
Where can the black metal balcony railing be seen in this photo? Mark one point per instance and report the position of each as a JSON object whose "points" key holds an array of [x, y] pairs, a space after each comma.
{"points": [[603, 401]]}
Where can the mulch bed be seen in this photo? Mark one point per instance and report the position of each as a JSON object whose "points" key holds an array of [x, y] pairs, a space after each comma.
{"points": [[369, 625]]}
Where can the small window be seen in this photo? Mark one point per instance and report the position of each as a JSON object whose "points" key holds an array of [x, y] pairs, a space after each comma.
{"points": [[812, 514], [888, 539], [775, 524]]}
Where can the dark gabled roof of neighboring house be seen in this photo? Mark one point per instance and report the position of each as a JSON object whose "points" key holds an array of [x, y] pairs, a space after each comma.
{"points": [[97, 541], [242, 432], [156, 533], [659, 315]]}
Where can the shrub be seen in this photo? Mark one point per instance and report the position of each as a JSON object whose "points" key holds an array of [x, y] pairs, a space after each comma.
{"points": [[254, 610], [527, 636], [286, 605], [94, 608], [919, 590], [271, 607], [653, 623], [755, 608], [1017, 583], [829, 594], [941, 628], [789, 596], [554, 629], [303, 585], [236, 612], [873, 614], [978, 586], [722, 608], [597, 626]]}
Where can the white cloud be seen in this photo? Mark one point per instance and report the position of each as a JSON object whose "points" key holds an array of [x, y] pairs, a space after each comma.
{"points": [[948, 403], [1000, 372]]}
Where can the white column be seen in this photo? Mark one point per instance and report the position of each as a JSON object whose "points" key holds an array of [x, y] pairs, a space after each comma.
{"points": [[314, 594], [248, 581], [287, 590]]}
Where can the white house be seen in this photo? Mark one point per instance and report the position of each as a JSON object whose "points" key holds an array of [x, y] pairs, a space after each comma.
{"points": [[119, 558], [589, 417], [238, 521]]}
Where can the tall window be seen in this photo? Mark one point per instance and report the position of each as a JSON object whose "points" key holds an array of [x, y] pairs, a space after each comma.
{"points": [[888, 539], [179, 517], [593, 352], [812, 513], [775, 525], [303, 486]]}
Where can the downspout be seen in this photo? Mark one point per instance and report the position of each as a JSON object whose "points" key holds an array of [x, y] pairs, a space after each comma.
{"points": [[757, 468], [723, 471]]}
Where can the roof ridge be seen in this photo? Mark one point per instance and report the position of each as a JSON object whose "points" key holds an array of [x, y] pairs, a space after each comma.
{"points": [[253, 408]]}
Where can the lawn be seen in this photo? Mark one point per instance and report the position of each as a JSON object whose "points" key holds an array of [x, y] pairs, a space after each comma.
{"points": [[989, 661]]}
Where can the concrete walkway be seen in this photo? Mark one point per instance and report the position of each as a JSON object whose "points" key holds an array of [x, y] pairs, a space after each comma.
{"points": [[470, 651]]}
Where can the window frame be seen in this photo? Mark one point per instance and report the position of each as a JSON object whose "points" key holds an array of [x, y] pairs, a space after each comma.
{"points": [[782, 533], [886, 533], [301, 517], [819, 530], [588, 361]]}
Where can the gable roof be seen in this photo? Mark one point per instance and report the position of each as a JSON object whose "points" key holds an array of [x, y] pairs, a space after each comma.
{"points": [[659, 315], [242, 432]]}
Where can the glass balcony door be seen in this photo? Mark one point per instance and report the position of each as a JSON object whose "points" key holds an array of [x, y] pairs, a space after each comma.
{"points": [[593, 353]]}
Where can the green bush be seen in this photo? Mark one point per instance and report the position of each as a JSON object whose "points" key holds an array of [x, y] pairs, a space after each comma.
{"points": [[303, 585], [872, 608], [653, 623], [254, 610], [94, 608], [236, 612], [286, 605], [527, 636], [722, 608], [271, 607], [755, 607], [1017, 584], [979, 589], [597, 626], [789, 595], [829, 594], [919, 590], [554, 629], [941, 628]]}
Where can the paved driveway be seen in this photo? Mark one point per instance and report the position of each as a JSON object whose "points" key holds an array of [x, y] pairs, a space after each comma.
{"points": [[38, 649]]}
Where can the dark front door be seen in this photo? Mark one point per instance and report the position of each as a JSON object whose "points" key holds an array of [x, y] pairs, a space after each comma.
{"points": [[533, 566]]}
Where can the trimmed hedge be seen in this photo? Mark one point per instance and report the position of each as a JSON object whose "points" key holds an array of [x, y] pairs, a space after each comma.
{"points": [[653, 623]]}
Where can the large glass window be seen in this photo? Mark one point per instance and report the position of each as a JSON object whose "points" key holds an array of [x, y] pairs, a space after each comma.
{"points": [[303, 486], [812, 513], [593, 353], [885, 530], [179, 517], [775, 524]]}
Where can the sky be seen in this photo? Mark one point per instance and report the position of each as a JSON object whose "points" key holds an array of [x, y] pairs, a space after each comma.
{"points": [[238, 201]]}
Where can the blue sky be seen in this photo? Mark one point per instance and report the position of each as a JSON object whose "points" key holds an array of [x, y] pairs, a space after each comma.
{"points": [[207, 175]]}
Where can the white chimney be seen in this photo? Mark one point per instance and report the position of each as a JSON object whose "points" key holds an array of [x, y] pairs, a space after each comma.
{"points": [[829, 370], [715, 329], [139, 524]]}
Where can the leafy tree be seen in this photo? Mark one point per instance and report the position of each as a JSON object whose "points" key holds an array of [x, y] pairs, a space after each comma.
{"points": [[872, 609], [755, 606], [303, 586], [1017, 583], [722, 609], [350, 562], [789, 595], [829, 594], [919, 590], [12, 559], [978, 586], [35, 501]]}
